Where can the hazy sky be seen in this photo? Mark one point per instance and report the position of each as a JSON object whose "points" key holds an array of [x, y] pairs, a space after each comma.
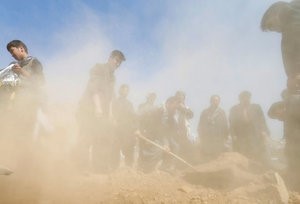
{"points": [[202, 47]]}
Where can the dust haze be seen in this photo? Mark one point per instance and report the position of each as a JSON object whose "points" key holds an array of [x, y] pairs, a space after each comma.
{"points": [[199, 47]]}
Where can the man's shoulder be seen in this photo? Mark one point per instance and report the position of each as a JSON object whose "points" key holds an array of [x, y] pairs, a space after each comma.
{"points": [[255, 106], [36, 61], [221, 110], [99, 66], [98, 69], [32, 63], [235, 107], [205, 111]]}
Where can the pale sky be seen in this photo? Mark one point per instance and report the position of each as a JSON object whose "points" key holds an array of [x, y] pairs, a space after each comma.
{"points": [[202, 47]]}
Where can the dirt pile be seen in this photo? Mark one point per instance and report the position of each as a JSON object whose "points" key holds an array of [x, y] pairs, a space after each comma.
{"points": [[237, 176], [56, 182], [44, 174]]}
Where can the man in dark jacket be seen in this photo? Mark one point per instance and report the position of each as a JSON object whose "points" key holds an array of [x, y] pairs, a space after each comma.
{"points": [[213, 128], [94, 115], [248, 128], [26, 97], [125, 125]]}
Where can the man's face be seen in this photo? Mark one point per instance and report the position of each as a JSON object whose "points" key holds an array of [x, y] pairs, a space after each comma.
{"points": [[151, 98], [115, 62], [215, 101], [17, 52], [180, 97], [245, 100]]}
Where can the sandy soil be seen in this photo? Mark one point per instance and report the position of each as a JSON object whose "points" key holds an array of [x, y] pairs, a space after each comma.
{"points": [[46, 178], [44, 174]]}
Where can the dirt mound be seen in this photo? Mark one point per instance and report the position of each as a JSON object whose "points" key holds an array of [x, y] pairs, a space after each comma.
{"points": [[46, 175], [229, 171], [59, 183]]}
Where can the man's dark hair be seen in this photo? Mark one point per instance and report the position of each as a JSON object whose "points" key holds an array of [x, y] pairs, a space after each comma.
{"points": [[16, 43], [118, 53]]}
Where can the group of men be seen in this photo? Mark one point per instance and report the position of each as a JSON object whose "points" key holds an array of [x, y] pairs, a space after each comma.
{"points": [[111, 129], [246, 126], [109, 126]]}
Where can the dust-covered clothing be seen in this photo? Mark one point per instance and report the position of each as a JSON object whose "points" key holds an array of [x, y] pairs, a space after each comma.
{"points": [[290, 46], [248, 130], [25, 99], [169, 136], [290, 43], [213, 131], [151, 127], [288, 111], [96, 132], [125, 125], [186, 148], [292, 134], [101, 82]]}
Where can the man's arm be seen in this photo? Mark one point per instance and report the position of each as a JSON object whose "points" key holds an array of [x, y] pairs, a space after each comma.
{"points": [[97, 105]]}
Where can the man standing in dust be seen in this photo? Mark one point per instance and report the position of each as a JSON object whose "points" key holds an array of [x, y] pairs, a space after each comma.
{"points": [[94, 115], [27, 97], [20, 105], [284, 18], [184, 115], [248, 128], [125, 125], [148, 104], [213, 129]]}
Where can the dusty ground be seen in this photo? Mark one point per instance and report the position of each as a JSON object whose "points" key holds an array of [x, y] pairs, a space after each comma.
{"points": [[52, 180], [44, 174]]}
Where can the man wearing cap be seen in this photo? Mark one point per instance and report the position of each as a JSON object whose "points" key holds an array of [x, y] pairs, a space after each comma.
{"points": [[94, 114]]}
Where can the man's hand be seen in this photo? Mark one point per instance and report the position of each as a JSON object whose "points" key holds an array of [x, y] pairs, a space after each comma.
{"points": [[97, 104], [18, 70]]}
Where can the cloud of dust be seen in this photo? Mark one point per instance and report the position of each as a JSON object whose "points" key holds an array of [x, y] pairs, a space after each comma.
{"points": [[204, 49]]}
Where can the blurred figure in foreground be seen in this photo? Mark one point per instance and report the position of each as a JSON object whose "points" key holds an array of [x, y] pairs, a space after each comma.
{"points": [[284, 18]]}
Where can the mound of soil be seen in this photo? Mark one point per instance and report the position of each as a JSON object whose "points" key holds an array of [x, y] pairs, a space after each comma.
{"points": [[56, 182]]}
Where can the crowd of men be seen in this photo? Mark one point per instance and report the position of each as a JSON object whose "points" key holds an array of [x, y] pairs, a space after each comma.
{"points": [[111, 130]]}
